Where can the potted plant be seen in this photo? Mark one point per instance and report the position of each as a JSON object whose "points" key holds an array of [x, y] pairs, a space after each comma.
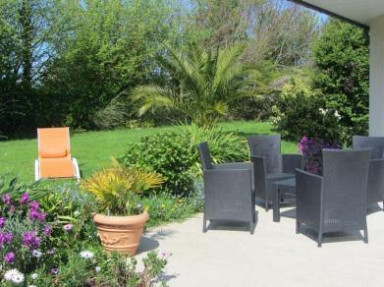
{"points": [[117, 190]]}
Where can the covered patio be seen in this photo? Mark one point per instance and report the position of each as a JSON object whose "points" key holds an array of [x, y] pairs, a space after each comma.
{"points": [[275, 255], [228, 256], [369, 15]]}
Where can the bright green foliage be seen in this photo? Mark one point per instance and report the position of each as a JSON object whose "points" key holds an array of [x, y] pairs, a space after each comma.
{"points": [[301, 114], [174, 154], [104, 51], [341, 56], [224, 146], [164, 207], [167, 154], [205, 83]]}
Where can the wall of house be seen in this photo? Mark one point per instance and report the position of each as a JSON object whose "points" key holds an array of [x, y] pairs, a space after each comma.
{"points": [[376, 90]]}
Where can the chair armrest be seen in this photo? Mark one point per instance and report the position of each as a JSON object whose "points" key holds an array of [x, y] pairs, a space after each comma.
{"points": [[309, 198], [234, 165], [260, 175], [375, 187], [291, 162]]}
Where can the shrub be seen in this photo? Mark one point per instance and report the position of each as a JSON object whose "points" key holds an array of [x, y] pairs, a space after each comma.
{"points": [[299, 113], [167, 154], [47, 249], [24, 235], [175, 156], [165, 207], [114, 115], [224, 146]]}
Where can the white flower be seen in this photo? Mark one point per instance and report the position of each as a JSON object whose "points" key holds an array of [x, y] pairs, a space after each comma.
{"points": [[97, 269], [76, 213], [323, 111], [36, 253], [337, 115], [34, 276], [32, 286], [14, 275], [86, 254]]}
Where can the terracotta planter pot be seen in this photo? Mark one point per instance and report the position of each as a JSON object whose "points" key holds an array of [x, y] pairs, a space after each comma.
{"points": [[121, 233]]}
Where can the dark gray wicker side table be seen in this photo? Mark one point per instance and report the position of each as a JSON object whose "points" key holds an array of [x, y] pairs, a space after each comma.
{"points": [[286, 185]]}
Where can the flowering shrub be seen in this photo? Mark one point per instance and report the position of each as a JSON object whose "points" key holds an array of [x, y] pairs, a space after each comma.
{"points": [[312, 151], [31, 257], [24, 236]]}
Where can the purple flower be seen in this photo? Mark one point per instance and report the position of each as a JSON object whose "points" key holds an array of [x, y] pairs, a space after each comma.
{"points": [[2, 222], [35, 214], [24, 198], [5, 238], [31, 240], [6, 198], [54, 270], [9, 257], [68, 227], [34, 205], [47, 230]]}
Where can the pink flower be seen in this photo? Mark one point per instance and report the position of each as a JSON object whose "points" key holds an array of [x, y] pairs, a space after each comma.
{"points": [[9, 257], [5, 238], [6, 198], [31, 240], [68, 227], [54, 271], [24, 198], [47, 230], [34, 205]]}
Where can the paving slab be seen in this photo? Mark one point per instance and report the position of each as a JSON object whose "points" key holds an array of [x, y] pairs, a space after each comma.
{"points": [[228, 255]]}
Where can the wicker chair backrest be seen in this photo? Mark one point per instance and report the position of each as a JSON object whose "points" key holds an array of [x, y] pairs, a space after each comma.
{"points": [[205, 156], [268, 147]]}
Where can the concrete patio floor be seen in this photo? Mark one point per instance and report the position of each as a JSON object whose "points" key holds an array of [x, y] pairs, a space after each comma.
{"points": [[274, 256]]}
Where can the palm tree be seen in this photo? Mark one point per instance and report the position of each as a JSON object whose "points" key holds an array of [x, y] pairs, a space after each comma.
{"points": [[205, 84]]}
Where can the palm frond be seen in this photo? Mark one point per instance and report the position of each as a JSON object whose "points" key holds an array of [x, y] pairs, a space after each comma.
{"points": [[153, 96]]}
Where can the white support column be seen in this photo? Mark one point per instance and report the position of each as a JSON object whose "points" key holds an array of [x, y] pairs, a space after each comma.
{"points": [[376, 75]]}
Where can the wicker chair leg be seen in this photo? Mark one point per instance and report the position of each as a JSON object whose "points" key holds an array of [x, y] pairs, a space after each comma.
{"points": [[251, 229], [266, 205], [383, 205], [204, 224], [320, 239], [297, 227]]}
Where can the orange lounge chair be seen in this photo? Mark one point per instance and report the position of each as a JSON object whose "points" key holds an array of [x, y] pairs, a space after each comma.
{"points": [[54, 152]]}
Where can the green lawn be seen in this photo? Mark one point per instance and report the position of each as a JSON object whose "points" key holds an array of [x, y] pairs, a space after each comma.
{"points": [[93, 150]]}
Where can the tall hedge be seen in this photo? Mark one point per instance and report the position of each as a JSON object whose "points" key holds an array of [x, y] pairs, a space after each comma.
{"points": [[341, 57]]}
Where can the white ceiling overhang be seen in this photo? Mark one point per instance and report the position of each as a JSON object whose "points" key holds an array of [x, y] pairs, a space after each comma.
{"points": [[359, 11]]}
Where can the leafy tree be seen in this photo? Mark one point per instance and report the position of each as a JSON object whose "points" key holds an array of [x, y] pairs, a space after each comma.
{"points": [[342, 60], [205, 83], [23, 34], [105, 51]]}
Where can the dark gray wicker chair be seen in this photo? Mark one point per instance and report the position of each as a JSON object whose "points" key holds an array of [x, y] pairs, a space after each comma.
{"points": [[228, 193], [270, 165], [335, 201], [375, 191]]}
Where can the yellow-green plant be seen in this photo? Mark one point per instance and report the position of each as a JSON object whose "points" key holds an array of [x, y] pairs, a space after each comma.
{"points": [[118, 188]]}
